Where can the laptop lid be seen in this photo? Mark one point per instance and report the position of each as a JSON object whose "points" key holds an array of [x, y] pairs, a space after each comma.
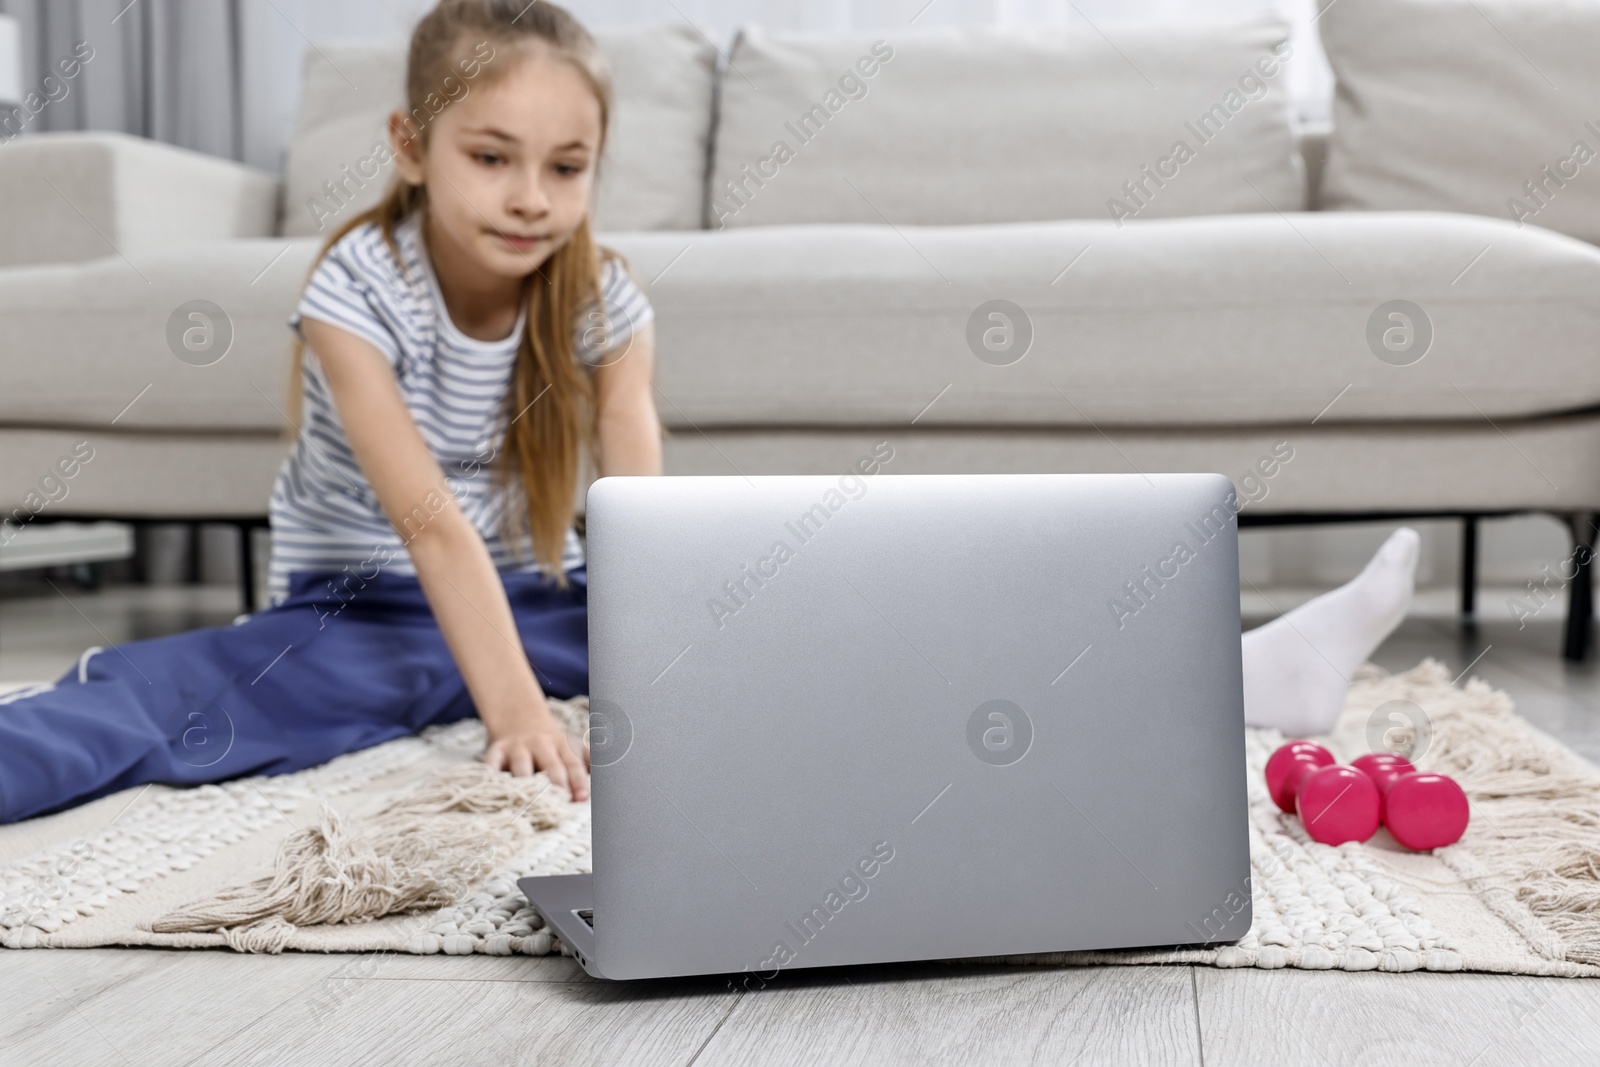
{"points": [[871, 718]]}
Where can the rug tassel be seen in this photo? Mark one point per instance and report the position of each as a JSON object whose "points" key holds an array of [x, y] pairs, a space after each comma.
{"points": [[422, 852]]}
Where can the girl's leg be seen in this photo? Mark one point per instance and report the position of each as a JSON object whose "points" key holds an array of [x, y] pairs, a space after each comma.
{"points": [[553, 626], [1296, 668], [322, 674], [292, 686]]}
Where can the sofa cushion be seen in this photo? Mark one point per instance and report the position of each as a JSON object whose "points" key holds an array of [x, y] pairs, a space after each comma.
{"points": [[1486, 106], [941, 126], [96, 345], [1224, 320], [652, 177], [1229, 320]]}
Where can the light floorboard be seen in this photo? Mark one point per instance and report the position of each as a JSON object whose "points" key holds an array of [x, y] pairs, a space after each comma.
{"points": [[1334, 1018], [440, 1022], [142, 1006], [940, 1014]]}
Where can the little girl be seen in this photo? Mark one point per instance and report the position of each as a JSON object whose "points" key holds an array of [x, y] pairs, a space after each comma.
{"points": [[465, 343]]}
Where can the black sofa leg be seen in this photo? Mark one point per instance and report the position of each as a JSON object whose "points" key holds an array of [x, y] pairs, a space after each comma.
{"points": [[139, 565], [1580, 592], [1469, 571], [193, 547], [247, 567]]}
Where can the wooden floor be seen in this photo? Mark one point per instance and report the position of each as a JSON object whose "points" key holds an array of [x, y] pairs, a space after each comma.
{"points": [[149, 1006]]}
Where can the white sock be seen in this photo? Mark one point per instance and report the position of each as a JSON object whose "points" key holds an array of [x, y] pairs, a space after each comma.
{"points": [[1297, 666]]}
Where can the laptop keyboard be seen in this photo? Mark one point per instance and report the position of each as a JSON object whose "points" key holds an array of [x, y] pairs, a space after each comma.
{"points": [[587, 915]]}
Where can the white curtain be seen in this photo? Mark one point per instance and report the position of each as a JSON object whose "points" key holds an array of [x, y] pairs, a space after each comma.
{"points": [[164, 69], [223, 76]]}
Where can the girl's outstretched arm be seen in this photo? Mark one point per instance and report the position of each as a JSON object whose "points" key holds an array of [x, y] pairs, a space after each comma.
{"points": [[625, 408], [453, 565]]}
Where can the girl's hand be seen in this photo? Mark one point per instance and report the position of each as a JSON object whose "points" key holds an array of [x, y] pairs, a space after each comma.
{"points": [[536, 741]]}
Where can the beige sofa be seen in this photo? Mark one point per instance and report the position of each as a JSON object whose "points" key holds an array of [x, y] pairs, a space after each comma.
{"points": [[810, 305]]}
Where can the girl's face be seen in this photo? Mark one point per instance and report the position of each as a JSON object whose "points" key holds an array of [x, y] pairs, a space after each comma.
{"points": [[509, 167]]}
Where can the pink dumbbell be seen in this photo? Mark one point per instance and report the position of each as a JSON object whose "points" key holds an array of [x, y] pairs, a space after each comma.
{"points": [[1338, 804], [1384, 768], [1288, 767], [1425, 811], [1430, 812]]}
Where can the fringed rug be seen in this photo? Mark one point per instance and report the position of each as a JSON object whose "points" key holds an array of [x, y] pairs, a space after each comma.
{"points": [[412, 847]]}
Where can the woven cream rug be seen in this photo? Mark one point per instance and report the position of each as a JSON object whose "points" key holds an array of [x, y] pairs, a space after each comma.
{"points": [[1519, 894]]}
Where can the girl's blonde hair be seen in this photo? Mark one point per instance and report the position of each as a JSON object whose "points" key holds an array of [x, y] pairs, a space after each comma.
{"points": [[550, 404]]}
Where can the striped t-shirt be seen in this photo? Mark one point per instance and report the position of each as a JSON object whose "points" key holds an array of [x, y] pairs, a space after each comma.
{"points": [[324, 514]]}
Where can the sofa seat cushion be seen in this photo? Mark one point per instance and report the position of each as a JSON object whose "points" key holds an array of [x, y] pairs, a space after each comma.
{"points": [[941, 126], [98, 344], [1241, 320]]}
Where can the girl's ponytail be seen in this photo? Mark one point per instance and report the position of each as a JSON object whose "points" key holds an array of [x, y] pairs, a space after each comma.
{"points": [[550, 402]]}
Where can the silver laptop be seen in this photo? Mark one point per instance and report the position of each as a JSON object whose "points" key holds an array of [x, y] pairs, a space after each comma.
{"points": [[873, 718]]}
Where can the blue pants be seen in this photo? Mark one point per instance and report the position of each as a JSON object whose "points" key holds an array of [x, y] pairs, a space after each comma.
{"points": [[290, 687]]}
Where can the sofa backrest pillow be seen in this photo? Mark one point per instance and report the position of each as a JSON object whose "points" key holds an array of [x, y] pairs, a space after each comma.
{"points": [[1490, 107], [951, 126], [653, 176]]}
